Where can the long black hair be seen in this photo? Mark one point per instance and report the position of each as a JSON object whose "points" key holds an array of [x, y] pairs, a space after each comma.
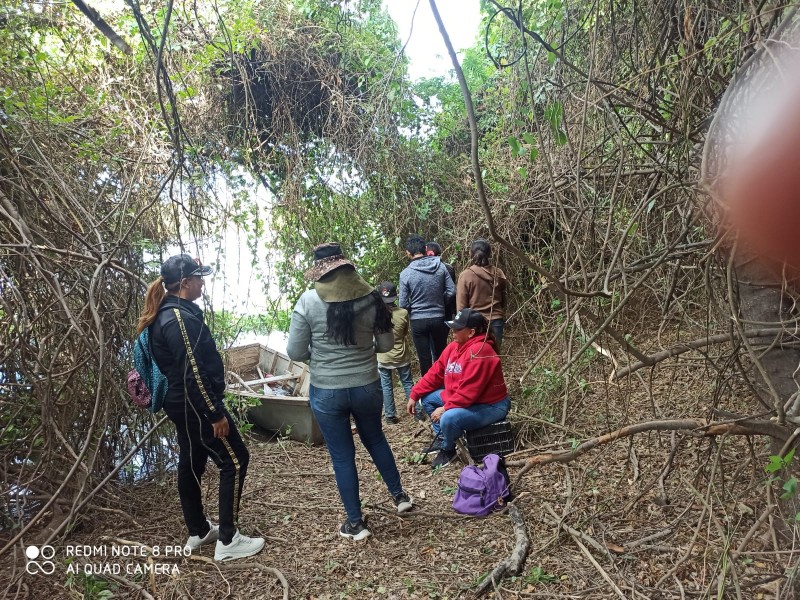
{"points": [[340, 318]]}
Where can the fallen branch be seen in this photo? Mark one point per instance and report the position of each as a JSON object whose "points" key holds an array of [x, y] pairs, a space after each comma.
{"points": [[700, 427], [514, 564], [597, 566], [248, 565], [648, 538], [142, 592], [224, 567], [688, 346], [558, 522], [765, 515]]}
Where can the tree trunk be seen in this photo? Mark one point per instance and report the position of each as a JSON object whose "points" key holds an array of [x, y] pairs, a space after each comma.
{"points": [[763, 303], [762, 300]]}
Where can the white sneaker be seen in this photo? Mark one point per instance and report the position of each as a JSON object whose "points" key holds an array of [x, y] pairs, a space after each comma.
{"points": [[195, 541], [241, 546]]}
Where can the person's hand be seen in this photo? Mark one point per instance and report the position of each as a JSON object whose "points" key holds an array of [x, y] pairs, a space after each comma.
{"points": [[411, 407], [221, 428], [437, 414]]}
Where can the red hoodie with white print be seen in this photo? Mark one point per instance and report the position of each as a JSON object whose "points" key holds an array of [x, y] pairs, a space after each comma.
{"points": [[470, 373]]}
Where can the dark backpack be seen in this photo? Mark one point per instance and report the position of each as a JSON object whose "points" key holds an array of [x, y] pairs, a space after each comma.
{"points": [[147, 385], [482, 490]]}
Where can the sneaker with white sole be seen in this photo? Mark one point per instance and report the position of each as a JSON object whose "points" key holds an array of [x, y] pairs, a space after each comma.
{"points": [[444, 458], [403, 502], [195, 541], [358, 531], [434, 447], [241, 546]]}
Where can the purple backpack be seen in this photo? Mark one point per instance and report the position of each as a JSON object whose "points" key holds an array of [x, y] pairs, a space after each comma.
{"points": [[482, 490]]}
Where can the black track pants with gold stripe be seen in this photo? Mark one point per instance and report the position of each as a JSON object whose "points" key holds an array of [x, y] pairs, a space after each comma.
{"points": [[197, 444]]}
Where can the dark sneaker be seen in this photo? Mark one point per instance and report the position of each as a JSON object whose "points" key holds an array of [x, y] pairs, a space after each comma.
{"points": [[391, 420], [433, 447], [444, 458], [359, 531], [403, 502]]}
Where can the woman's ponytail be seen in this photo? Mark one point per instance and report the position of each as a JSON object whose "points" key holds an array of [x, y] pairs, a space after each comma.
{"points": [[152, 301]]}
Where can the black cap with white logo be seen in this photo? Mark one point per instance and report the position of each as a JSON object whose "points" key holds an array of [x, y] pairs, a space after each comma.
{"points": [[180, 267], [465, 319], [388, 291]]}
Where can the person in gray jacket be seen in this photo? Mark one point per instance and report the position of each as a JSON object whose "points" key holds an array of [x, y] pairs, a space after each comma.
{"points": [[338, 327], [425, 290]]}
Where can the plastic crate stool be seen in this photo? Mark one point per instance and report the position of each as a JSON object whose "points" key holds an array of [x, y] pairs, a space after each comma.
{"points": [[497, 438]]}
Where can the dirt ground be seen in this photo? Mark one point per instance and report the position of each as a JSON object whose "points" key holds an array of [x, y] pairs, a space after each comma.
{"points": [[291, 499], [653, 516]]}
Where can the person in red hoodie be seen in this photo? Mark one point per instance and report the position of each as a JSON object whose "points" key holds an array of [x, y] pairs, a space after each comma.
{"points": [[465, 388]]}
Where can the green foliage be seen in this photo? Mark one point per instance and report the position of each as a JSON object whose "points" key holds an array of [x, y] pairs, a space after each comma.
{"points": [[237, 406], [537, 575], [226, 326], [90, 586], [554, 115], [417, 458], [778, 463], [783, 463], [284, 436], [544, 387], [789, 488], [449, 490]]}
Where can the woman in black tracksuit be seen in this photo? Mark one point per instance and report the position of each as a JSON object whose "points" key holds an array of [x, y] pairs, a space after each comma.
{"points": [[183, 349]]}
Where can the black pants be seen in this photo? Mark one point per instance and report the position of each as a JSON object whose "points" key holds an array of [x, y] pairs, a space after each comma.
{"points": [[430, 340], [197, 444]]}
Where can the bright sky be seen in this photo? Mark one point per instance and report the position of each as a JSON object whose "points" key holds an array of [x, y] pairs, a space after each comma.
{"points": [[426, 50]]}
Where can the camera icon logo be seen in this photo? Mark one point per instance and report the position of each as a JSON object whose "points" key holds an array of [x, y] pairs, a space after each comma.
{"points": [[40, 560]]}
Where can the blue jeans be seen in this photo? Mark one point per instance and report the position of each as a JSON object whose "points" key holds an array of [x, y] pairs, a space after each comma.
{"points": [[404, 374], [456, 421], [497, 326], [333, 408]]}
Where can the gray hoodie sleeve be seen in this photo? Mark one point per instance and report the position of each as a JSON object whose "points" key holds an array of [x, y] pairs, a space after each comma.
{"points": [[404, 300]]}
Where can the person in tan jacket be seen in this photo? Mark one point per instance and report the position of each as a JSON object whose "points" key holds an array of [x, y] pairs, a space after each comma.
{"points": [[398, 359], [484, 287]]}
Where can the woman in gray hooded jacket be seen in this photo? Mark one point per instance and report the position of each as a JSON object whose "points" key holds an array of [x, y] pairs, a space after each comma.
{"points": [[338, 327]]}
